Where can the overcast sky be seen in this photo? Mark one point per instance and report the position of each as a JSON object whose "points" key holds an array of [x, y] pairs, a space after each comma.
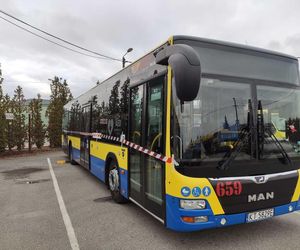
{"points": [[112, 26]]}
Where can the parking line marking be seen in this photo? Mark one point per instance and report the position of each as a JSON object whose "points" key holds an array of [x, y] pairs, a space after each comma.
{"points": [[63, 210]]}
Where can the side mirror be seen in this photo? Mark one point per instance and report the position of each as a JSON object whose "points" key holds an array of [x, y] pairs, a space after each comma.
{"points": [[186, 67]]}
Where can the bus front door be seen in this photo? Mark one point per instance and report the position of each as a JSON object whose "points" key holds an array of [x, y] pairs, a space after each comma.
{"points": [[147, 130]]}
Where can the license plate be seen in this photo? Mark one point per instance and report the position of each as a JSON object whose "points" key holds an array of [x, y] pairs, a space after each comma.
{"points": [[260, 215]]}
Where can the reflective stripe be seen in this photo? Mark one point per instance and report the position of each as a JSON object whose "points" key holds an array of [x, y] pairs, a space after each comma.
{"points": [[127, 143]]}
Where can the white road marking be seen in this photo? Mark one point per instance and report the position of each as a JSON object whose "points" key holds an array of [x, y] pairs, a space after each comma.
{"points": [[297, 212], [63, 210]]}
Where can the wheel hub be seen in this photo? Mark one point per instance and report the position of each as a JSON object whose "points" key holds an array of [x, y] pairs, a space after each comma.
{"points": [[113, 180]]}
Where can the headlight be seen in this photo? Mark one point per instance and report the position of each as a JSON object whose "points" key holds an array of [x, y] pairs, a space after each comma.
{"points": [[192, 204]]}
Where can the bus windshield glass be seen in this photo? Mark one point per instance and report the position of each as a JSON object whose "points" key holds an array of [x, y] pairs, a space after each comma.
{"points": [[210, 126], [245, 62]]}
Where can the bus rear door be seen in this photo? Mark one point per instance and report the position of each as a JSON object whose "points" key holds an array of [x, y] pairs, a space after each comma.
{"points": [[84, 139]]}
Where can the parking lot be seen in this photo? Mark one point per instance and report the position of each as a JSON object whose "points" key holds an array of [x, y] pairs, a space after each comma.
{"points": [[32, 218]]}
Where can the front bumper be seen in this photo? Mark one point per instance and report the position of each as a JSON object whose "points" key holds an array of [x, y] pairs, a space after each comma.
{"points": [[174, 214]]}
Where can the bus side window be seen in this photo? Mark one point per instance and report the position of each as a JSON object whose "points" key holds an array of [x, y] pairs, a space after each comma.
{"points": [[155, 118]]}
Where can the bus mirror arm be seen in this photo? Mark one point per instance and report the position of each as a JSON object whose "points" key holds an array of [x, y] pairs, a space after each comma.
{"points": [[186, 69]]}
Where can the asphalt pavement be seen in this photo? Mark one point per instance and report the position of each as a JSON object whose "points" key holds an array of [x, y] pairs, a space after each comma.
{"points": [[32, 217]]}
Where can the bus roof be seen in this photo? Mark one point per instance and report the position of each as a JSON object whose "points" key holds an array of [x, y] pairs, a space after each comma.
{"points": [[233, 45], [177, 39]]}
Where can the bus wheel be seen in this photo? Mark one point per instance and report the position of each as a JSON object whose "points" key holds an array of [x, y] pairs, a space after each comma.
{"points": [[71, 156], [114, 182]]}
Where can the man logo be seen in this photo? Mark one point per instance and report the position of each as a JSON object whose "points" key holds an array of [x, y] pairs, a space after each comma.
{"points": [[260, 196], [260, 179]]}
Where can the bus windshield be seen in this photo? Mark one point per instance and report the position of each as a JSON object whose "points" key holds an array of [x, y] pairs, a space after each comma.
{"points": [[210, 126]]}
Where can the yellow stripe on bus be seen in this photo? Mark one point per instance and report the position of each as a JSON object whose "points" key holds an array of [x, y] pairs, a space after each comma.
{"points": [[101, 150], [168, 117], [75, 141], [297, 189]]}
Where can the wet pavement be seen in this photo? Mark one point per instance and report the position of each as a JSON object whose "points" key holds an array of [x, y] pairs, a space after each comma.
{"points": [[30, 216]]}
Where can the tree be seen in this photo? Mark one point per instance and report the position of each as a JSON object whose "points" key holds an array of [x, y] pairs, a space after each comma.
{"points": [[18, 126], [75, 116], [124, 103], [124, 97], [60, 95], [114, 101], [38, 128], [8, 130]]}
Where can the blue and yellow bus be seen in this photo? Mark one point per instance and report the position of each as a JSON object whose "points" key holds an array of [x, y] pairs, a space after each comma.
{"points": [[199, 133]]}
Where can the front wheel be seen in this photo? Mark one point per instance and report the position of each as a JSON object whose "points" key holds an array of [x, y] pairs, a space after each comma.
{"points": [[114, 182]]}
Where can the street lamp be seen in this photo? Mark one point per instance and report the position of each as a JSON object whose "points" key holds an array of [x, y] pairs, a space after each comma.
{"points": [[123, 58]]}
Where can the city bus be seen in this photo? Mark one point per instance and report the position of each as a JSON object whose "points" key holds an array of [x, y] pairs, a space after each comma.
{"points": [[199, 133]]}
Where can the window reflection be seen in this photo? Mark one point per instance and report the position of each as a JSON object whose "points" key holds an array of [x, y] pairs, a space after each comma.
{"points": [[281, 115], [209, 125], [213, 124], [135, 136], [154, 142]]}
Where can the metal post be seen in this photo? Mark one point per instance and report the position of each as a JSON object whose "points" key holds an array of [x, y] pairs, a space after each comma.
{"points": [[9, 117], [123, 62], [123, 58], [29, 132], [236, 113], [9, 135]]}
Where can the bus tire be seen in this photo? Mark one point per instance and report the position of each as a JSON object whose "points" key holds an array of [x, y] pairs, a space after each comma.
{"points": [[72, 161], [114, 182]]}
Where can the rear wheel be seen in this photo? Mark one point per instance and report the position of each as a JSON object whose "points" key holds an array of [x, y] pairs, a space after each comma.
{"points": [[72, 161], [114, 182]]}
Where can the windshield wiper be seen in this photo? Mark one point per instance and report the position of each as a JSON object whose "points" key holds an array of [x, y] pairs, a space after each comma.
{"points": [[279, 146], [262, 130], [246, 136], [255, 137]]}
